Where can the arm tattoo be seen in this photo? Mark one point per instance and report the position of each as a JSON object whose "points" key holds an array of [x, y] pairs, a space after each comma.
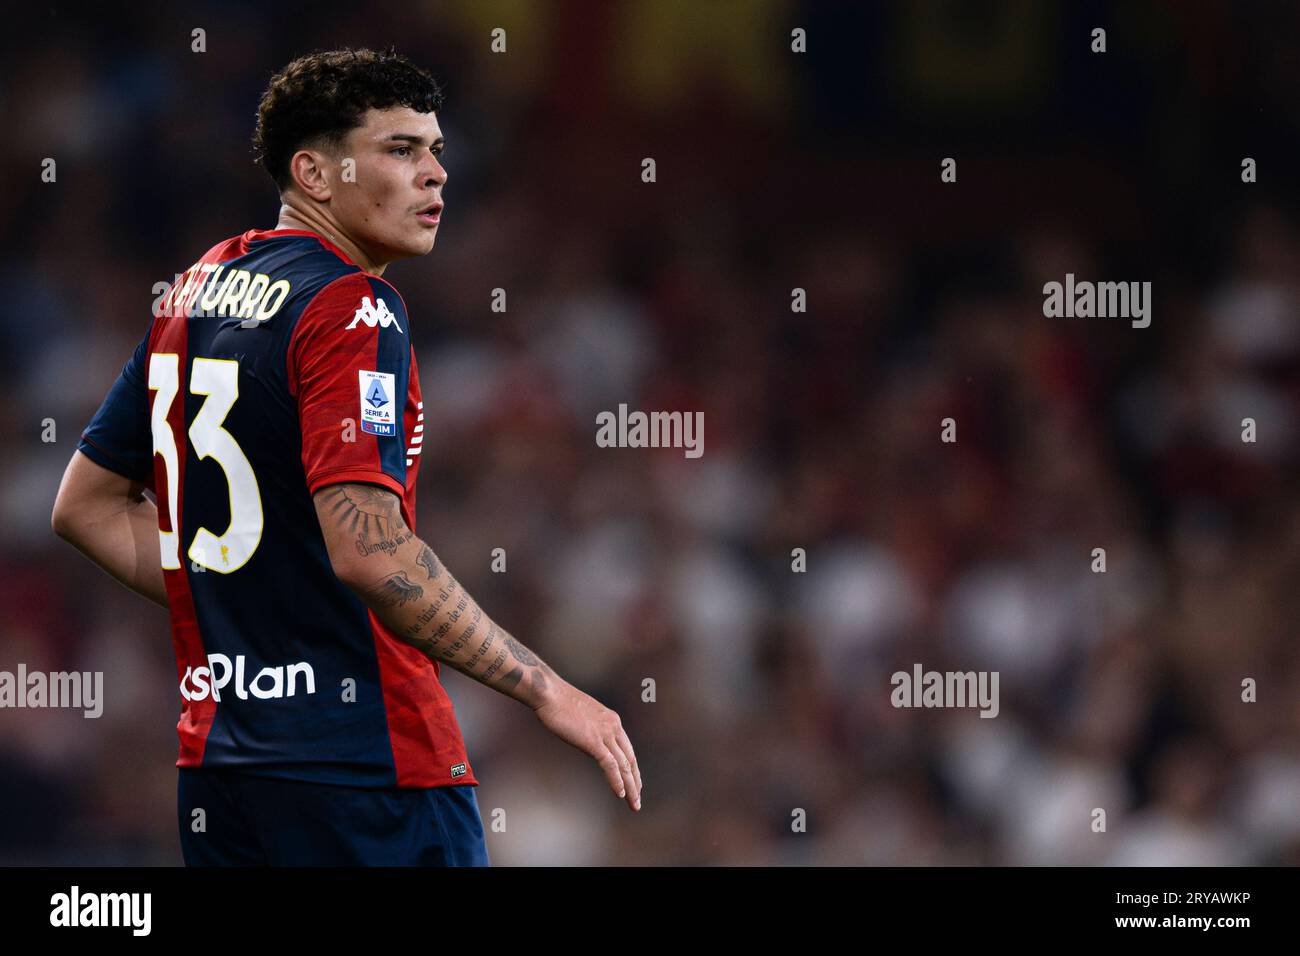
{"points": [[465, 636], [396, 589], [367, 546], [495, 666], [539, 678], [370, 513], [483, 648], [362, 509], [429, 614], [429, 562], [522, 654]]}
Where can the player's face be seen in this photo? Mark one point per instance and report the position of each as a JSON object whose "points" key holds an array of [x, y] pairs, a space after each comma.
{"points": [[399, 177]]}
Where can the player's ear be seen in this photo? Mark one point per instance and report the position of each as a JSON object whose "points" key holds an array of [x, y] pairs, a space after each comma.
{"points": [[307, 168]]}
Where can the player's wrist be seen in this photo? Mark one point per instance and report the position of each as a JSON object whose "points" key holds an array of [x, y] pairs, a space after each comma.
{"points": [[544, 687]]}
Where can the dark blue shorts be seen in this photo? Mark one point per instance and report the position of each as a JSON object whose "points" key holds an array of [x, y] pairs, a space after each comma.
{"points": [[251, 820]]}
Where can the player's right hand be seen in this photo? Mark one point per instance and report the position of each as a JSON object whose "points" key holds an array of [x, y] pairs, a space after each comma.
{"points": [[584, 722]]}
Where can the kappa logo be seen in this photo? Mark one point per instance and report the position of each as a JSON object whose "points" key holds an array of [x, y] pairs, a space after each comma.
{"points": [[374, 313]]}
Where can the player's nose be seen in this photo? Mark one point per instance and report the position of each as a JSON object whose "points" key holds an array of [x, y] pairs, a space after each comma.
{"points": [[435, 174]]}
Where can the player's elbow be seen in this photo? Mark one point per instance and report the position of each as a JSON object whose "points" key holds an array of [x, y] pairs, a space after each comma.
{"points": [[86, 495], [351, 576], [58, 524], [343, 561], [63, 515], [63, 519], [368, 577]]}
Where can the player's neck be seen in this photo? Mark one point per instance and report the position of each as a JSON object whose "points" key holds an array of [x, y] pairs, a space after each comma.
{"points": [[292, 217]]}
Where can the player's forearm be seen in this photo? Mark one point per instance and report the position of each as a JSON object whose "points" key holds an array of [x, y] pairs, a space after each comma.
{"points": [[426, 606], [123, 540], [422, 602], [402, 581]]}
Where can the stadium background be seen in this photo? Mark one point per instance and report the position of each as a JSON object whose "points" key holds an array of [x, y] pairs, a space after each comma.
{"points": [[775, 170]]}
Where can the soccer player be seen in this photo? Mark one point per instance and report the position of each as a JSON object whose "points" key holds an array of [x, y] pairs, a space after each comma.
{"points": [[273, 408]]}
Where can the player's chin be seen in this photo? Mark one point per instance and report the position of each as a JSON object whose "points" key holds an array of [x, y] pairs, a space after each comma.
{"points": [[421, 242]]}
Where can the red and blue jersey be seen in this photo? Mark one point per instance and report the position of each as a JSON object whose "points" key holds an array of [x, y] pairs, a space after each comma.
{"points": [[272, 367]]}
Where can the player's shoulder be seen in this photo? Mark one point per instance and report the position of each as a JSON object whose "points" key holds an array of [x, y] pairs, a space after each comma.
{"points": [[363, 298], [357, 312]]}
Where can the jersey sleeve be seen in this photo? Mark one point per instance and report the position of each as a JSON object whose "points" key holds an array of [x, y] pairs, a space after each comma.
{"points": [[349, 364], [120, 436]]}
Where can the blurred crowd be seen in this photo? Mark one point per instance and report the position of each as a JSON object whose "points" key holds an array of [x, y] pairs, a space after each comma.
{"points": [[1120, 691]]}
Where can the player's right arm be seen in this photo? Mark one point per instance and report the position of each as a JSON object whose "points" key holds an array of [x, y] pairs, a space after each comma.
{"points": [[398, 576], [100, 507]]}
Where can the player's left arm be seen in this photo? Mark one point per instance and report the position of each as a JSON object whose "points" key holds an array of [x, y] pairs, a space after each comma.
{"points": [[107, 517]]}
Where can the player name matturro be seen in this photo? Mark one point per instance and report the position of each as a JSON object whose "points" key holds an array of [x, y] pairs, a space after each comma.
{"points": [[652, 430], [1085, 299], [203, 291]]}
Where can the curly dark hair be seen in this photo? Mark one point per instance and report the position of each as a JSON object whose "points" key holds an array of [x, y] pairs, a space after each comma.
{"points": [[319, 98]]}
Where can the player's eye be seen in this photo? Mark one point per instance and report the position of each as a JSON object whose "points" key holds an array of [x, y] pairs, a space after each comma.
{"points": [[399, 150]]}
